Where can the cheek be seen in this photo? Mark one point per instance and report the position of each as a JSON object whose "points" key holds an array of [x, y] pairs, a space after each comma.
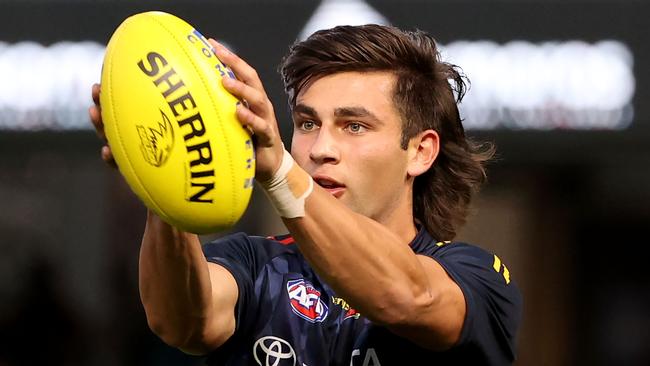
{"points": [[381, 164], [299, 149], [380, 172], [385, 155]]}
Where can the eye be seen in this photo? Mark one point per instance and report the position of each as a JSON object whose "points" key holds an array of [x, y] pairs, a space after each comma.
{"points": [[308, 125], [355, 127]]}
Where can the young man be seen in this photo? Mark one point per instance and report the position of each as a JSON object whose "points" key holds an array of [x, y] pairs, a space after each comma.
{"points": [[381, 181]]}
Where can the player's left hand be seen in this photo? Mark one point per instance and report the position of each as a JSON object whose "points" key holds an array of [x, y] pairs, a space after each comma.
{"points": [[257, 113]]}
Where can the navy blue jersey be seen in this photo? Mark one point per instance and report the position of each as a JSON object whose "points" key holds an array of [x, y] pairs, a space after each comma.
{"points": [[286, 315]]}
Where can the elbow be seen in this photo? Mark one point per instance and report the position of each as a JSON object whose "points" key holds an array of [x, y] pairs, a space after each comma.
{"points": [[403, 309], [427, 320], [191, 339], [172, 336]]}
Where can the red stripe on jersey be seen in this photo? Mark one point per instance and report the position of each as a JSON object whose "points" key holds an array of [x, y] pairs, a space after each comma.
{"points": [[286, 241]]}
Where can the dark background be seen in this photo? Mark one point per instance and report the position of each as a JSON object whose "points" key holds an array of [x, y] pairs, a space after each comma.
{"points": [[566, 210]]}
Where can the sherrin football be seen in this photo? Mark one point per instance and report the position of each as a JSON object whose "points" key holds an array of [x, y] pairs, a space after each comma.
{"points": [[172, 127]]}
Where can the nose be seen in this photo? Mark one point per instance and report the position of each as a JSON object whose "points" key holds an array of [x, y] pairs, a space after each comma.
{"points": [[324, 149]]}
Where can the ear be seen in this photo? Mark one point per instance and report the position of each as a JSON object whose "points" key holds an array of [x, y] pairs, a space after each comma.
{"points": [[422, 152]]}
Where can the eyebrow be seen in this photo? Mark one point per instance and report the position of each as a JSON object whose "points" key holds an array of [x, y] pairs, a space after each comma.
{"points": [[304, 109], [354, 111]]}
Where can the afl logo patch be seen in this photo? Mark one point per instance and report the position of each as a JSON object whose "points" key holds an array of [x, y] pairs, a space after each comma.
{"points": [[305, 301]]}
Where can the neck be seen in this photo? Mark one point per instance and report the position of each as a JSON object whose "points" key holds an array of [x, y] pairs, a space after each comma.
{"points": [[407, 230], [400, 219]]}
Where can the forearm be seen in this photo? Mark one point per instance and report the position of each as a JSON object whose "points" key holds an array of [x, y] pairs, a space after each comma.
{"points": [[363, 261], [175, 286]]}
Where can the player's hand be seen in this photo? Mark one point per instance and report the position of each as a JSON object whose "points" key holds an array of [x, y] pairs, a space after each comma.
{"points": [[257, 113], [96, 118]]}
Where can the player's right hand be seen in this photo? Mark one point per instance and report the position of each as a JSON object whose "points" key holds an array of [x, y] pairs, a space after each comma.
{"points": [[96, 118]]}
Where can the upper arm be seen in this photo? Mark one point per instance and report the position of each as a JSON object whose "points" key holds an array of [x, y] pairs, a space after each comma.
{"points": [[437, 319], [224, 299], [492, 303], [220, 325], [233, 265]]}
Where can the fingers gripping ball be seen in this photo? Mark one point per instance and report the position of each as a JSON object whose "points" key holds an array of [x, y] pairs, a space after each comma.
{"points": [[172, 127]]}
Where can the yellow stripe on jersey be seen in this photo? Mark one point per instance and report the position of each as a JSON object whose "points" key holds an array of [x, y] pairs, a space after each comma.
{"points": [[497, 267], [497, 263], [506, 274]]}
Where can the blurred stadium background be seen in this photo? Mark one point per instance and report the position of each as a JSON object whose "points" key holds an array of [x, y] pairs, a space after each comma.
{"points": [[561, 87]]}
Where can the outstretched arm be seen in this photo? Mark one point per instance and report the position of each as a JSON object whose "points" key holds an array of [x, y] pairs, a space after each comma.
{"points": [[189, 302]]}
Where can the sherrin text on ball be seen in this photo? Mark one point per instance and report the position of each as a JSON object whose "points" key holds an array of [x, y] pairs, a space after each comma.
{"points": [[172, 127]]}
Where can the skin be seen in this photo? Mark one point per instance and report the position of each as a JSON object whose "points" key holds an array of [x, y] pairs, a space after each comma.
{"points": [[355, 233]]}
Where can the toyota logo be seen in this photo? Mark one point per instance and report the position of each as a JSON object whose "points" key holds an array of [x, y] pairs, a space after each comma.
{"points": [[273, 351]]}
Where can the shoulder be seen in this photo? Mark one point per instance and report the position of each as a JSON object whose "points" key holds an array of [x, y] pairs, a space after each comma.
{"points": [[251, 252], [477, 271], [471, 258], [467, 254], [463, 257], [242, 242]]}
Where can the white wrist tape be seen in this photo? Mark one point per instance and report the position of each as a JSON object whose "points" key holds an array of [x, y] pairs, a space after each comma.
{"points": [[289, 188]]}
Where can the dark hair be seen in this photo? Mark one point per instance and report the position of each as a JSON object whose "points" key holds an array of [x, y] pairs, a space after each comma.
{"points": [[426, 94]]}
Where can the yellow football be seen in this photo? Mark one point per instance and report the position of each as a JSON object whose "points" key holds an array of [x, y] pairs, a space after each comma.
{"points": [[171, 126]]}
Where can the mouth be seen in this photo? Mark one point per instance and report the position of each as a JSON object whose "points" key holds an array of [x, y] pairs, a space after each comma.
{"points": [[334, 187]]}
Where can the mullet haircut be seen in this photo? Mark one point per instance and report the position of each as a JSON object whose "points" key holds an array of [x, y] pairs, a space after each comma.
{"points": [[426, 95]]}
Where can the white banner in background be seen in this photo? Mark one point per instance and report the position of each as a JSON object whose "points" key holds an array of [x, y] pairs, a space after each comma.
{"points": [[517, 85], [47, 87], [565, 85]]}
